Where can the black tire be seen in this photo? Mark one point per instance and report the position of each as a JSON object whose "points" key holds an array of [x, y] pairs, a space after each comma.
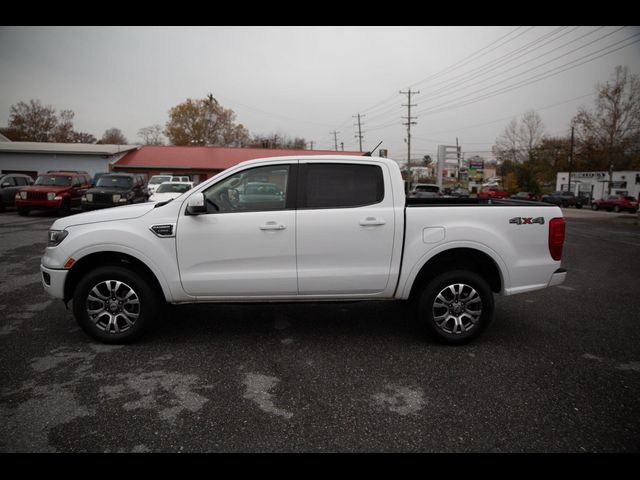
{"points": [[469, 330], [65, 209], [616, 209], [578, 205], [116, 331], [594, 206], [23, 212]]}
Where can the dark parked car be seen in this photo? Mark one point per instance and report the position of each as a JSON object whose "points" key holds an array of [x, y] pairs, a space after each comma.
{"points": [[10, 184], [565, 199], [59, 191], [115, 189], [524, 196], [617, 203]]}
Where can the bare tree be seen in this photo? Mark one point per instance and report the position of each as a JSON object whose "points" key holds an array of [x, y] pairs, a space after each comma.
{"points": [[31, 122], [531, 132], [151, 135], [519, 140], [612, 129], [507, 143], [63, 131], [113, 136]]}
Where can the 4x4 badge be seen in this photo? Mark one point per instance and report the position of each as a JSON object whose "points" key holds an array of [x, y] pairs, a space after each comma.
{"points": [[527, 220]]}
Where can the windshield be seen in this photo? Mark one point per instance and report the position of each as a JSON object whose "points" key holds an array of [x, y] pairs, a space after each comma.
{"points": [[173, 188], [156, 179], [53, 180], [116, 182]]}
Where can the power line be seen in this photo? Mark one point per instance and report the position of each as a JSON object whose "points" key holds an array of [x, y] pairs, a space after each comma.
{"points": [[525, 71], [502, 60], [506, 59], [386, 100], [449, 105], [457, 64]]}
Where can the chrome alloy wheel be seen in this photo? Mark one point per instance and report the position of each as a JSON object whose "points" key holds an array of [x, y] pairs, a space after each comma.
{"points": [[113, 306], [457, 308]]}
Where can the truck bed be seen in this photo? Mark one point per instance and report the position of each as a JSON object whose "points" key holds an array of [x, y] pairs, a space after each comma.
{"points": [[452, 202]]}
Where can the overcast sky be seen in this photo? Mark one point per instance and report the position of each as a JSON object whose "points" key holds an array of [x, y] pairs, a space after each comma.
{"points": [[309, 81]]}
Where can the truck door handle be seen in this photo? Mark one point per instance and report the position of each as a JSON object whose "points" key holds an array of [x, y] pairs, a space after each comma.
{"points": [[372, 222], [272, 226]]}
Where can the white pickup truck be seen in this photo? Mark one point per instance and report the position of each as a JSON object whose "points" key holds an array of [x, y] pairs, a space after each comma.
{"points": [[309, 228]]}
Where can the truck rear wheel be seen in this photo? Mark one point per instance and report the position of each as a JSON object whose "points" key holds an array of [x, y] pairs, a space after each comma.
{"points": [[456, 306], [114, 304]]}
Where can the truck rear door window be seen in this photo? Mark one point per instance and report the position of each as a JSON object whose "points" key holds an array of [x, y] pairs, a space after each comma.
{"points": [[331, 185]]}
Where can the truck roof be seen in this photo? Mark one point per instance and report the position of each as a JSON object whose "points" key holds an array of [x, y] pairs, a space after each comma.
{"points": [[351, 158]]}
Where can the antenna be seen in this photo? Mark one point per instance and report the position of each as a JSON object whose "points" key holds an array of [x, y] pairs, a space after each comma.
{"points": [[368, 154]]}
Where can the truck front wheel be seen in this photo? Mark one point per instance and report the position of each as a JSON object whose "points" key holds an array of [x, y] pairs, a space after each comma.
{"points": [[114, 304], [456, 306]]}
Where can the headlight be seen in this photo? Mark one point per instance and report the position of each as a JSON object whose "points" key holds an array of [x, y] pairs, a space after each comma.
{"points": [[23, 195], [89, 197], [55, 237], [51, 196], [116, 198]]}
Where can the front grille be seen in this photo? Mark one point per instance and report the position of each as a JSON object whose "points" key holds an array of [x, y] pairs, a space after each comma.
{"points": [[37, 195], [102, 198]]}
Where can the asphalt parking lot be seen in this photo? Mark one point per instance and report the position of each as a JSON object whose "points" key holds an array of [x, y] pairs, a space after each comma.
{"points": [[557, 371]]}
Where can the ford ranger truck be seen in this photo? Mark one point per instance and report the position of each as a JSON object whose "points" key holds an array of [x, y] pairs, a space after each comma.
{"points": [[340, 229]]}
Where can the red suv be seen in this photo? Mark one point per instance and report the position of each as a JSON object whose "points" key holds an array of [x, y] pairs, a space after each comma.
{"points": [[492, 192], [617, 203], [59, 191]]}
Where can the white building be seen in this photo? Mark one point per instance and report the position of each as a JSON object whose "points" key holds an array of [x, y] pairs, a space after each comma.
{"points": [[596, 184], [33, 158]]}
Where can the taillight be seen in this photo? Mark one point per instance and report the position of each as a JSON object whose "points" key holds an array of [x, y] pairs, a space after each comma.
{"points": [[556, 237]]}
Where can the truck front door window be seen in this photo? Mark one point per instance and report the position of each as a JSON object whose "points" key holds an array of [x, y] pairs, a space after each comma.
{"points": [[252, 190]]}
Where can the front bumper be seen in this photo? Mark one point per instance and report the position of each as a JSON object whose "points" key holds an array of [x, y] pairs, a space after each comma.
{"points": [[558, 277], [53, 281], [34, 204]]}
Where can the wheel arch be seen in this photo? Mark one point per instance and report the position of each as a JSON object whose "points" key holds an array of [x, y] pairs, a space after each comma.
{"points": [[97, 259], [459, 258]]}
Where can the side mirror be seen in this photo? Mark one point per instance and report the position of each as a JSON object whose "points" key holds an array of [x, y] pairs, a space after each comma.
{"points": [[196, 204]]}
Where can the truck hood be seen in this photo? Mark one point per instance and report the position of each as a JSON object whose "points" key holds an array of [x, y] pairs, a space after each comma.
{"points": [[163, 197], [124, 212], [110, 190]]}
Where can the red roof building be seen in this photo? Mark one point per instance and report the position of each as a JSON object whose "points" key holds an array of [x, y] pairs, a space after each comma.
{"points": [[199, 163]]}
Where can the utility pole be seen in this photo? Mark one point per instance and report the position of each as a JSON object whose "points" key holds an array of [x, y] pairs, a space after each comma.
{"points": [[409, 118], [335, 139], [311, 145], [359, 136], [459, 164], [571, 158], [342, 146]]}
